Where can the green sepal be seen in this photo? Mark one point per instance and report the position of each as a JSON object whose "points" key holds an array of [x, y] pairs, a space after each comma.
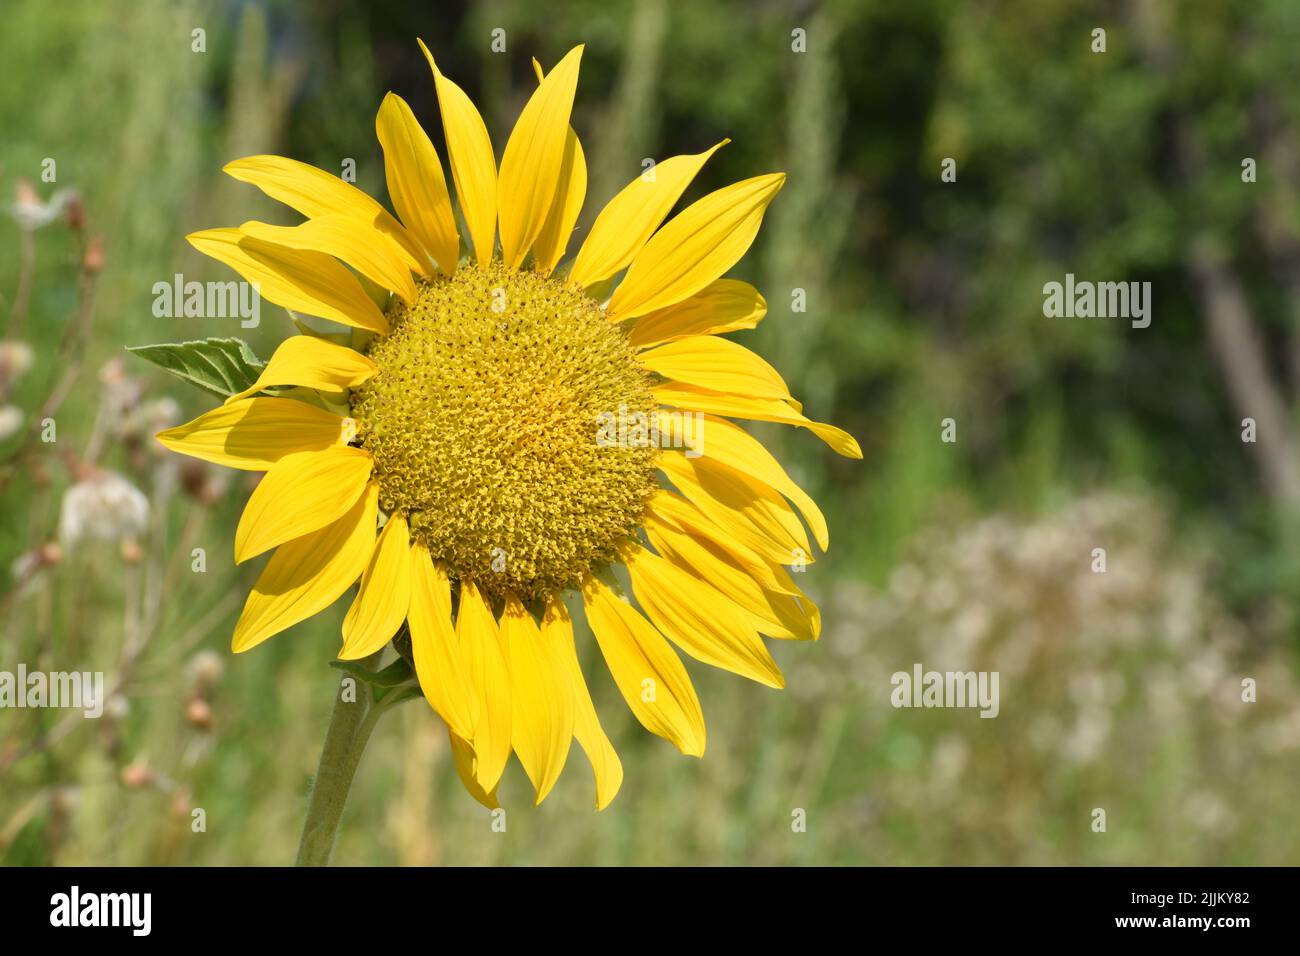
{"points": [[395, 674]]}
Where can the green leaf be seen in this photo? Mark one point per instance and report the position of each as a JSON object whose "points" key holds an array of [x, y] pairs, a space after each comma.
{"points": [[398, 672], [223, 367]]}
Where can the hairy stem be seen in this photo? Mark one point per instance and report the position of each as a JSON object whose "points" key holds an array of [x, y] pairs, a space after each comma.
{"points": [[351, 723]]}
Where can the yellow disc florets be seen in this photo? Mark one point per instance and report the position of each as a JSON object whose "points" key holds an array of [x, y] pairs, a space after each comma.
{"points": [[484, 417]]}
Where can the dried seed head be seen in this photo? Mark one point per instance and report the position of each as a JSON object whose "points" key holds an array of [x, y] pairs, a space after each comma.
{"points": [[102, 505], [16, 357]]}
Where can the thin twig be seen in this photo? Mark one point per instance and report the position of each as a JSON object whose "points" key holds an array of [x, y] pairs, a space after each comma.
{"points": [[26, 273]]}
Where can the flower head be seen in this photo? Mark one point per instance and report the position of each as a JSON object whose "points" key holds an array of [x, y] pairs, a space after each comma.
{"points": [[498, 433]]}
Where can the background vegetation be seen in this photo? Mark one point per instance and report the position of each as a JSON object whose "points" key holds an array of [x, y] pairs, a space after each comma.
{"points": [[1119, 690]]}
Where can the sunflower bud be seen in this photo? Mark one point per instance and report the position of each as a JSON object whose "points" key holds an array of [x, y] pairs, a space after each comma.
{"points": [[92, 260], [137, 775], [198, 714], [75, 213]]}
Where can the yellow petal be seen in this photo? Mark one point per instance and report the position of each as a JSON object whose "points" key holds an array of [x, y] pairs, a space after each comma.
{"points": [[307, 574], [803, 621], [752, 512], [630, 218], [301, 493], [416, 183], [771, 613], [369, 251], [710, 562], [557, 634], [463, 751], [567, 205], [553, 240], [671, 508], [384, 596], [730, 446], [717, 364], [647, 671], [691, 614], [724, 305], [696, 399], [310, 282], [311, 362], [695, 247], [541, 698], [254, 433], [533, 159], [480, 648], [314, 192], [438, 661], [473, 164]]}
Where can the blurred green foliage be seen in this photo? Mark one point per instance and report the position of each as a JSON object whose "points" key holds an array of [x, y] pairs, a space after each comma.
{"points": [[924, 301]]}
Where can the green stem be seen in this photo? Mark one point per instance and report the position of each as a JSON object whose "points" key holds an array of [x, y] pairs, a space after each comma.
{"points": [[345, 741]]}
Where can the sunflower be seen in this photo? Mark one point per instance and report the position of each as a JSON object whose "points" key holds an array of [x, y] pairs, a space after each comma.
{"points": [[493, 433]]}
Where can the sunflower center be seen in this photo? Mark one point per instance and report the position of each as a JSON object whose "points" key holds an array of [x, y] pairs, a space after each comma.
{"points": [[484, 417]]}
